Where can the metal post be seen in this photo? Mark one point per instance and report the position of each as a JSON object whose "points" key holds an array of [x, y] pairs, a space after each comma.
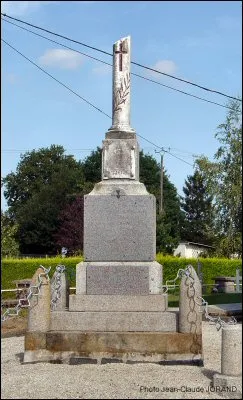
{"points": [[237, 281], [200, 275], [161, 178]]}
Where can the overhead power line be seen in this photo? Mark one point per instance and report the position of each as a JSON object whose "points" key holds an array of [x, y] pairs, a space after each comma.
{"points": [[68, 88], [165, 149], [178, 158], [110, 54], [162, 150], [19, 150], [82, 98], [106, 63], [51, 76], [54, 41]]}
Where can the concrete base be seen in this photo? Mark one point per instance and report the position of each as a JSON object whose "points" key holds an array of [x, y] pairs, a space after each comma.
{"points": [[233, 382], [41, 355], [124, 346]]}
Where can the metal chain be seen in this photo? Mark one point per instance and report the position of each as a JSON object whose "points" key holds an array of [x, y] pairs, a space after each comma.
{"points": [[192, 316], [56, 292], [179, 275], [56, 286], [217, 320], [34, 290]]}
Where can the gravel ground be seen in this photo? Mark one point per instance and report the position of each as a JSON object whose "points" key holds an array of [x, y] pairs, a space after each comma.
{"points": [[111, 380]]}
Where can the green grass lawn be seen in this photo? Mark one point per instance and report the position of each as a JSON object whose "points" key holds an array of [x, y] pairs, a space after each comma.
{"points": [[217, 298]]}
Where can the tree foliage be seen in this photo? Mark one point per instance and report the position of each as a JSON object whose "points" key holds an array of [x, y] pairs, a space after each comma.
{"points": [[9, 244], [224, 180], [37, 192], [70, 232], [197, 205], [92, 166], [168, 222]]}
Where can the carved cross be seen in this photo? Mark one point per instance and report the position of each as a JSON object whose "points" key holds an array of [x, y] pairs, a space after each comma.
{"points": [[120, 52]]}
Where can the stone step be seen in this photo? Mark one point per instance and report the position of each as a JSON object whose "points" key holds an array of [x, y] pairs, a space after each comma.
{"points": [[110, 321], [153, 302]]}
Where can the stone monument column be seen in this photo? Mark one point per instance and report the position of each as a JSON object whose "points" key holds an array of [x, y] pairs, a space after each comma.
{"points": [[120, 149], [119, 213], [121, 86], [119, 310]]}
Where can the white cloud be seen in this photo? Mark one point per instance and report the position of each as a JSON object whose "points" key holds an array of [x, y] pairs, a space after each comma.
{"points": [[166, 66], [102, 70], [64, 59], [20, 8]]}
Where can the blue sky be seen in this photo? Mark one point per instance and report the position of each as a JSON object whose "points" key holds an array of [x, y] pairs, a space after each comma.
{"points": [[199, 41]]}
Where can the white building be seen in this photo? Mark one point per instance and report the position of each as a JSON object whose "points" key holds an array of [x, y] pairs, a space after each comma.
{"points": [[190, 249]]}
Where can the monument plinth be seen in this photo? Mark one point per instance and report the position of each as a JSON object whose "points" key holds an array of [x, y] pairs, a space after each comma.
{"points": [[119, 310], [119, 214]]}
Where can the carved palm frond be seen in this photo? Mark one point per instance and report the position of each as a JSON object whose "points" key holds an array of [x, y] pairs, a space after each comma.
{"points": [[122, 93]]}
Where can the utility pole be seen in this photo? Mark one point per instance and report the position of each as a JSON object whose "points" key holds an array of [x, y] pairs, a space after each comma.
{"points": [[161, 182]]}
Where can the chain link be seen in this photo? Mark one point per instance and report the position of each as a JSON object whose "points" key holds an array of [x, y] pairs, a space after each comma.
{"points": [[34, 290], [56, 286], [216, 320], [56, 293], [179, 275], [191, 294], [192, 316]]}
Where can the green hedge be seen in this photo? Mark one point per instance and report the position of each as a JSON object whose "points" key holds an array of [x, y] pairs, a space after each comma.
{"points": [[211, 267], [13, 269]]}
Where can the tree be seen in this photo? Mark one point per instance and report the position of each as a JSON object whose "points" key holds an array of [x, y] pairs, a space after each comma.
{"points": [[197, 205], [149, 173], [169, 221], [9, 244], [37, 192], [70, 232], [224, 180], [92, 166]]}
